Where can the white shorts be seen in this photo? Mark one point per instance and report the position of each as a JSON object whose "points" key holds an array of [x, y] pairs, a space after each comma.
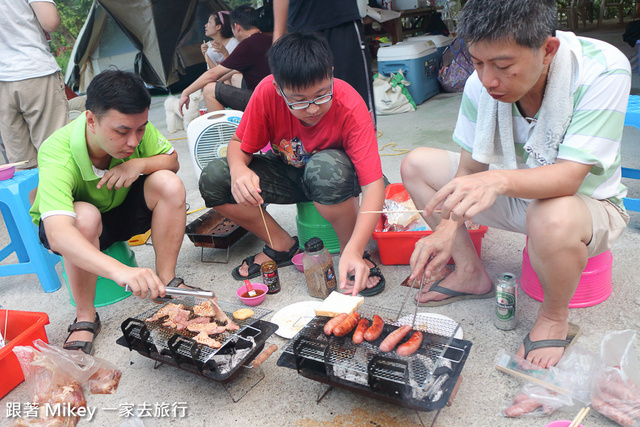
{"points": [[510, 213]]}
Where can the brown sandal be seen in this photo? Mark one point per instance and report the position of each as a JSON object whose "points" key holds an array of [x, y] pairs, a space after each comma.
{"points": [[86, 346]]}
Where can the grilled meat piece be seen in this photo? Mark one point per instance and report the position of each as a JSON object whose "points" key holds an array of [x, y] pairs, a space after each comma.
{"points": [[204, 309], [167, 310], [203, 338], [208, 328]]}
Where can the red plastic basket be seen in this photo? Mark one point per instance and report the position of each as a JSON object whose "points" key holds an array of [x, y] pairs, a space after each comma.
{"points": [[396, 247], [595, 283], [23, 328]]}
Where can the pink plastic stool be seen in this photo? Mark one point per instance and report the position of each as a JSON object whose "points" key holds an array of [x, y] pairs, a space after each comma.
{"points": [[595, 283]]}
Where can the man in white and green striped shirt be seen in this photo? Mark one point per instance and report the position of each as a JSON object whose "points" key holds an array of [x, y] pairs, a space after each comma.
{"points": [[562, 188]]}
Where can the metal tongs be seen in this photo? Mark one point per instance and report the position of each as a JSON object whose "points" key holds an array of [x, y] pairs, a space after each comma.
{"points": [[183, 292], [415, 311]]}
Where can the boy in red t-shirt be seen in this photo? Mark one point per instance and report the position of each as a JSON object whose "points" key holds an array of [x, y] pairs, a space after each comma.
{"points": [[324, 149]]}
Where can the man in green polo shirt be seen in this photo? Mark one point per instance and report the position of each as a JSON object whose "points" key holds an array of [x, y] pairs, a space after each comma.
{"points": [[105, 177]]}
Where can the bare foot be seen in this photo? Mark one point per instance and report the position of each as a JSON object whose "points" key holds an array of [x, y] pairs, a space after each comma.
{"points": [[546, 328], [470, 280]]}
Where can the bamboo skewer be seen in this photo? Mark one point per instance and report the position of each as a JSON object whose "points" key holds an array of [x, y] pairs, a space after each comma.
{"points": [[402, 211], [6, 322], [578, 419], [8, 165], [265, 225]]}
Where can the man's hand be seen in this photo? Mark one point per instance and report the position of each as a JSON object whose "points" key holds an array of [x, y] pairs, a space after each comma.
{"points": [[466, 196], [184, 101], [431, 253], [220, 48], [122, 175], [142, 281], [352, 264], [245, 187]]}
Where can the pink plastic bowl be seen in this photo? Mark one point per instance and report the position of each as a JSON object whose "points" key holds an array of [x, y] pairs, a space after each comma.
{"points": [[594, 287], [255, 300], [7, 172], [297, 261]]}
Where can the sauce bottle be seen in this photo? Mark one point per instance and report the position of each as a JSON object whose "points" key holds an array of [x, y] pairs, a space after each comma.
{"points": [[269, 270], [318, 269]]}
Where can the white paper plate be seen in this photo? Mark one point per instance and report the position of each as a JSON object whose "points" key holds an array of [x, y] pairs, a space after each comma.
{"points": [[294, 317], [423, 319]]}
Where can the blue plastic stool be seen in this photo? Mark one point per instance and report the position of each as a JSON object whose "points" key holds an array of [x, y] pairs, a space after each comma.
{"points": [[632, 118], [33, 258]]}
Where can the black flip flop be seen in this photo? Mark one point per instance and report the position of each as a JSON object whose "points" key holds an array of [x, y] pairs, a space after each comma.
{"points": [[572, 336], [375, 272], [85, 346], [282, 259]]}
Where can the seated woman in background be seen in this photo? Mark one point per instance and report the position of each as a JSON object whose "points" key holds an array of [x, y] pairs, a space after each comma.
{"points": [[219, 29]]}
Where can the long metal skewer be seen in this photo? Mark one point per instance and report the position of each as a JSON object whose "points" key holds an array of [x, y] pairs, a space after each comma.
{"points": [[415, 312]]}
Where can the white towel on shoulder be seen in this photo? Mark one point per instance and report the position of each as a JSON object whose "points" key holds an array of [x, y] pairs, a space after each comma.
{"points": [[493, 141]]}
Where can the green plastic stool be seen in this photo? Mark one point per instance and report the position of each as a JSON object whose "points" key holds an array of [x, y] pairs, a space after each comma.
{"points": [[108, 291], [311, 224]]}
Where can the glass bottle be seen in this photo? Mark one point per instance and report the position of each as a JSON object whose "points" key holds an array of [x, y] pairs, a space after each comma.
{"points": [[318, 269]]}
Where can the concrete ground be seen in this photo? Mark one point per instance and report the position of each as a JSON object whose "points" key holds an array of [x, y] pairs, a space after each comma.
{"points": [[285, 398]]}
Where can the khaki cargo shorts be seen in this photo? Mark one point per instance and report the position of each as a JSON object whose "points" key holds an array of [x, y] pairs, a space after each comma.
{"points": [[510, 213]]}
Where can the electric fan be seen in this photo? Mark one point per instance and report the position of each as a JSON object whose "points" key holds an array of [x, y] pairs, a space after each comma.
{"points": [[209, 136]]}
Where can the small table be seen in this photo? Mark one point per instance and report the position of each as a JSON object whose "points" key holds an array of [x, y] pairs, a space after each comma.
{"points": [[395, 28]]}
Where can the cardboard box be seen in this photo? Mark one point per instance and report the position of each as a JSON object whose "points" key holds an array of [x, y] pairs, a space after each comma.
{"points": [[396, 247], [23, 328]]}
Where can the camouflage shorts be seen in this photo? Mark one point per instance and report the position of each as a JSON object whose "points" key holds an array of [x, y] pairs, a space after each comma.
{"points": [[328, 178]]}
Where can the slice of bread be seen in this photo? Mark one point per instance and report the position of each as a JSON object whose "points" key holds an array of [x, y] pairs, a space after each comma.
{"points": [[337, 303]]}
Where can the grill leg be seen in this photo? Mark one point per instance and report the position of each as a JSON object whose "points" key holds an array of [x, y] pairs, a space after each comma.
{"points": [[226, 261], [329, 388]]}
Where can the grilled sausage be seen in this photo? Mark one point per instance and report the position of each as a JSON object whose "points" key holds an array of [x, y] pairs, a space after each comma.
{"points": [[390, 342], [333, 322], [375, 329], [345, 327], [410, 346], [358, 335]]}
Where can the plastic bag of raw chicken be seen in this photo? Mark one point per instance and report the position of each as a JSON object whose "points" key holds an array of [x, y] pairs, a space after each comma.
{"points": [[57, 376], [615, 391]]}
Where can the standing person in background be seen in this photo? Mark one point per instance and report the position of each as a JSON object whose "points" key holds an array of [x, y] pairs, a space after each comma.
{"points": [[33, 104], [339, 22]]}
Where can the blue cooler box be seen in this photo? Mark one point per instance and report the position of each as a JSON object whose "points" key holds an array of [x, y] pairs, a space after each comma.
{"points": [[439, 40], [419, 64]]}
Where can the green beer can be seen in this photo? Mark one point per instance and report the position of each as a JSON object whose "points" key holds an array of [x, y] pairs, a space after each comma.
{"points": [[506, 302]]}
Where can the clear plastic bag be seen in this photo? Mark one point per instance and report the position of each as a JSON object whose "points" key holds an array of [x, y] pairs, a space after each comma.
{"points": [[549, 389], [535, 401], [49, 385], [57, 376], [402, 221], [615, 392]]}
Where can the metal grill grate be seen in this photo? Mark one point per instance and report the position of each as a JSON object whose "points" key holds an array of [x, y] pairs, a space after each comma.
{"points": [[351, 362], [160, 335]]}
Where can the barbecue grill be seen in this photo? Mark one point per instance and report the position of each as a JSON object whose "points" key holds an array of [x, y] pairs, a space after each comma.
{"points": [[422, 381], [177, 348], [212, 230]]}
